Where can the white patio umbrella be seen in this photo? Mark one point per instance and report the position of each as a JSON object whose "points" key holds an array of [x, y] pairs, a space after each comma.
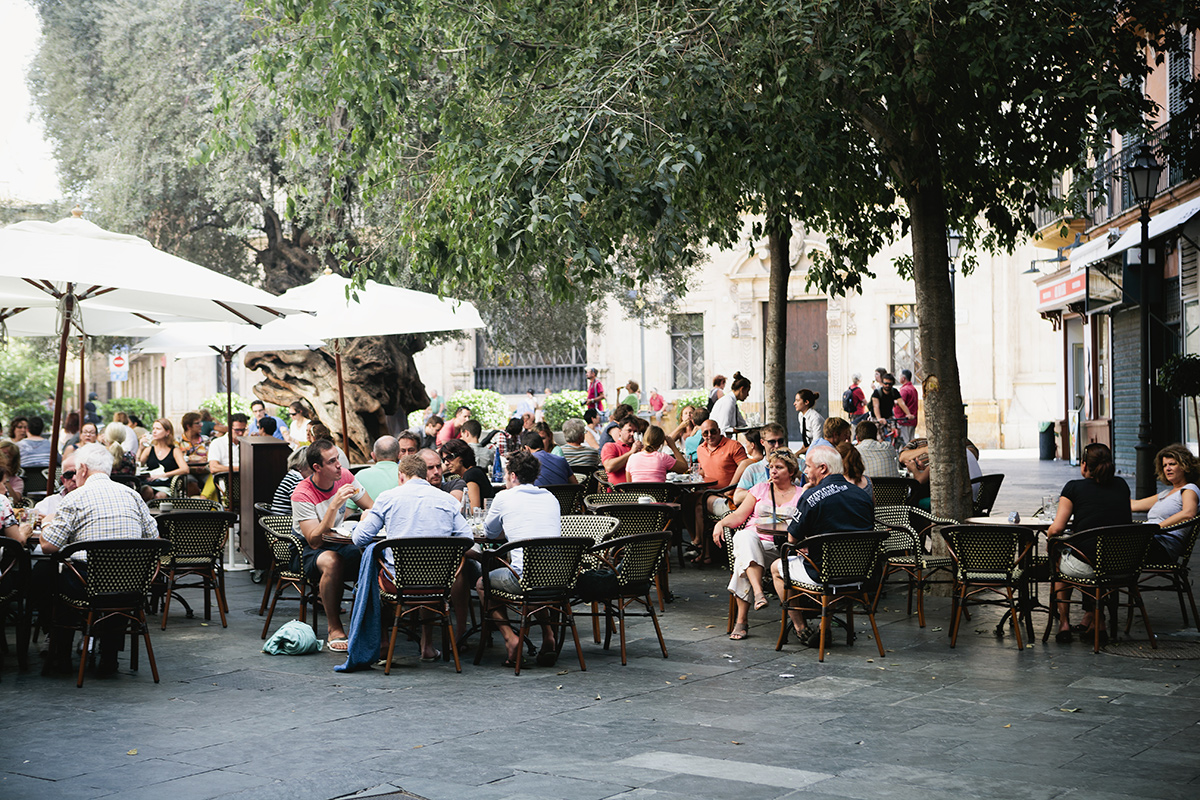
{"points": [[376, 310], [226, 339], [73, 264]]}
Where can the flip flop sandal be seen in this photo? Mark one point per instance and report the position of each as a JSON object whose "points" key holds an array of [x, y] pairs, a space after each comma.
{"points": [[338, 645], [547, 657], [436, 657]]}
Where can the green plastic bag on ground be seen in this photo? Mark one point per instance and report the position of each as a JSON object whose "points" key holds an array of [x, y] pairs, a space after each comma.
{"points": [[293, 639]]}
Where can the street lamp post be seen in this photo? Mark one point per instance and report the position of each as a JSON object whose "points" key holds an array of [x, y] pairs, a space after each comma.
{"points": [[1143, 175]]}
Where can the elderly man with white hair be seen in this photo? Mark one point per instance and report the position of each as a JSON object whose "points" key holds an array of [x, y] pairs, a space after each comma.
{"points": [[99, 509], [830, 503]]}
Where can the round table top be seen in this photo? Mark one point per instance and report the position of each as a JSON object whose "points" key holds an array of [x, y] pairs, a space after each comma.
{"points": [[1031, 522]]}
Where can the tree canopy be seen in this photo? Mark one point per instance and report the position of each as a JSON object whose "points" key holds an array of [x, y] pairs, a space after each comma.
{"points": [[585, 139]]}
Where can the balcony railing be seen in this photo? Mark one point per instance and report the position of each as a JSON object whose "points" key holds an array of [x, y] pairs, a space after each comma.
{"points": [[1176, 148]]}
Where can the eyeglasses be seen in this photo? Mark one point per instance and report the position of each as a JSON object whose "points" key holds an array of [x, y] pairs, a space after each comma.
{"points": [[775, 442], [68, 475]]}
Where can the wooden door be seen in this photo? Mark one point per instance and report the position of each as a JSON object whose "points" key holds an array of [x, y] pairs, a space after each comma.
{"points": [[806, 363]]}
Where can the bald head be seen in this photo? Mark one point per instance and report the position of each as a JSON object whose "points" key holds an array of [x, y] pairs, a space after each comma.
{"points": [[386, 448]]}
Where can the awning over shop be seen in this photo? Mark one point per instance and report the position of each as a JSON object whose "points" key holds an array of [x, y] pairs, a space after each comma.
{"points": [[1160, 225], [1062, 288]]}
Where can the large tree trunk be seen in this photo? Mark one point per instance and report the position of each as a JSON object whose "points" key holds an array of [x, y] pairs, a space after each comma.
{"points": [[950, 486], [779, 234], [381, 386]]}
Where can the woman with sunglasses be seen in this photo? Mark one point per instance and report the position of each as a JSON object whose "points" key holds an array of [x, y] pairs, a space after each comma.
{"points": [[754, 552]]}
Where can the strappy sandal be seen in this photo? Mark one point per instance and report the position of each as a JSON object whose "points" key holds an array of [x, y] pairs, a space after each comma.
{"points": [[810, 636], [740, 631]]}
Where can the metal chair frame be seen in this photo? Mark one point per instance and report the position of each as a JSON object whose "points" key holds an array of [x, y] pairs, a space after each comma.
{"points": [[990, 559], [635, 561], [1176, 574], [286, 550], [15, 573], [119, 574], [197, 548], [550, 567], [989, 489], [850, 563], [422, 571]]}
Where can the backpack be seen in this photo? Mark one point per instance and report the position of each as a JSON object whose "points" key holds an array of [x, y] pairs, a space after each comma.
{"points": [[849, 403]]}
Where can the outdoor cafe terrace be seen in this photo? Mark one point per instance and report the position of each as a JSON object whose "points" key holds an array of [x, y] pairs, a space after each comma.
{"points": [[718, 718]]}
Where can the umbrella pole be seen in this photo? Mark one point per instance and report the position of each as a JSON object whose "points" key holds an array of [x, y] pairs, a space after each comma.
{"points": [[82, 384], [68, 312], [231, 560], [337, 358]]}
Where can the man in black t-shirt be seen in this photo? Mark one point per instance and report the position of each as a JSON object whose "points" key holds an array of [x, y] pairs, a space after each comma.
{"points": [[887, 396]]}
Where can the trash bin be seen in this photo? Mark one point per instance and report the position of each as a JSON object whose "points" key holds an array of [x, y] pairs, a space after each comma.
{"points": [[1046, 441]]}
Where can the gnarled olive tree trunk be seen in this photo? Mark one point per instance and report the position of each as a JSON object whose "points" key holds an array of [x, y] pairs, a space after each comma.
{"points": [[380, 382]]}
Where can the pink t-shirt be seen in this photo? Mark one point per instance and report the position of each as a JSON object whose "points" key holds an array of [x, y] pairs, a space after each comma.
{"points": [[762, 504], [643, 467]]}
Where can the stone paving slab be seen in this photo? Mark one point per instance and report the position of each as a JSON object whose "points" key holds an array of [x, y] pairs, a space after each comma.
{"points": [[716, 719]]}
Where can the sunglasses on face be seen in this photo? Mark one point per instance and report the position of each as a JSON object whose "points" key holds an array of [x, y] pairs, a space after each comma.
{"points": [[68, 475], [709, 434], [775, 442]]}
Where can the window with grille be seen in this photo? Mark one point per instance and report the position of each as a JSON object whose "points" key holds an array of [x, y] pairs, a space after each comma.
{"points": [[687, 351], [906, 341]]}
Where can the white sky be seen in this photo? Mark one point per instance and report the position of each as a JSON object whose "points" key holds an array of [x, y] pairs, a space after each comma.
{"points": [[27, 169]]}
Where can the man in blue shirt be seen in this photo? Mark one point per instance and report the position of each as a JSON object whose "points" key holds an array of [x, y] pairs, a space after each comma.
{"points": [[555, 469], [258, 411], [415, 508]]}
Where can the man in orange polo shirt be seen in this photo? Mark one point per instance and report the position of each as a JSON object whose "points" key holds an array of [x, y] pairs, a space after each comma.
{"points": [[719, 457]]}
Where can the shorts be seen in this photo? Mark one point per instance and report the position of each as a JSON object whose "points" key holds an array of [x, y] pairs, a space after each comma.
{"points": [[1074, 567], [351, 557], [503, 580]]}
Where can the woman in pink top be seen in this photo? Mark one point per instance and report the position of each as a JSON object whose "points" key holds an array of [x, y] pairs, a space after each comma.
{"points": [[650, 464], [754, 552]]}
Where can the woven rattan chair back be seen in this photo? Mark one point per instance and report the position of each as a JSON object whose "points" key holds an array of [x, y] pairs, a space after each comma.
{"points": [[634, 518], [661, 493], [596, 527], [593, 501], [422, 565], [119, 571], [551, 565], [197, 537], [178, 487], [1120, 550], [603, 484], [186, 503], [35, 479], [891, 491], [989, 489], [848, 557], [637, 559], [570, 496], [985, 553], [1191, 528]]}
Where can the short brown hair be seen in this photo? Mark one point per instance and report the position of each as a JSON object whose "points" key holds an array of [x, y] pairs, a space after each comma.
{"points": [[414, 466]]}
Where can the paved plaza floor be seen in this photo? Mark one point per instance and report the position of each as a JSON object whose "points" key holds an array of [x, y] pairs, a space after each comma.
{"points": [[718, 719]]}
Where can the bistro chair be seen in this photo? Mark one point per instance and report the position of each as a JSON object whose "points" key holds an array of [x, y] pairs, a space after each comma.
{"points": [[991, 559], [1120, 550], [197, 542], [570, 496], [989, 488], [848, 569], [908, 549], [598, 529], [629, 565], [287, 567], [661, 492], [417, 584], [550, 566], [602, 484], [14, 596], [118, 577], [587, 478], [634, 517], [35, 481], [1175, 573], [178, 487]]}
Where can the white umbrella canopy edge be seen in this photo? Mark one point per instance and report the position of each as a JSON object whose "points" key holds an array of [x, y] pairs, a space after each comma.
{"points": [[117, 271], [76, 262], [379, 310]]}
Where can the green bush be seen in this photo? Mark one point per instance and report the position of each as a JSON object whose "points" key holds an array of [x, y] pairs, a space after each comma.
{"points": [[697, 399], [563, 406], [490, 408], [216, 405], [144, 410]]}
